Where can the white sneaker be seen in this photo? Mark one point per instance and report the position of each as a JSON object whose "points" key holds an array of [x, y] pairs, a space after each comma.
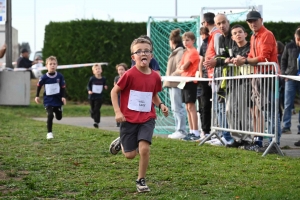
{"points": [[176, 135], [49, 136], [217, 142]]}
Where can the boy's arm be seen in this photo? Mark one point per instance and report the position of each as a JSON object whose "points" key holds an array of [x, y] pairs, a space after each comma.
{"points": [[105, 86], [37, 98], [185, 65], [89, 86], [114, 99], [156, 100]]}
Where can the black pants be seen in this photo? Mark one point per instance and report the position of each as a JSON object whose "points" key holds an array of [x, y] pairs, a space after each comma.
{"points": [[206, 106], [95, 109], [58, 115]]}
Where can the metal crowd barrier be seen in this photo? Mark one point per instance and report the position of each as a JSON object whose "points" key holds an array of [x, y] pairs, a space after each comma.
{"points": [[245, 103]]}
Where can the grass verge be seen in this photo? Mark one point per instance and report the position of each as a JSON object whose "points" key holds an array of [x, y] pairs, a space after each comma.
{"points": [[76, 164]]}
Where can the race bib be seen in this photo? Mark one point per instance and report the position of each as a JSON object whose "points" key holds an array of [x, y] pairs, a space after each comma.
{"points": [[52, 88], [97, 89], [140, 101]]}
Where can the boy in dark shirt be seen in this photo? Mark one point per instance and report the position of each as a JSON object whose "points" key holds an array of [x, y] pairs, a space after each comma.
{"points": [[54, 94], [95, 88]]}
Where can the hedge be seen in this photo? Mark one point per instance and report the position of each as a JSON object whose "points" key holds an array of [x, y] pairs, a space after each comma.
{"points": [[89, 41]]}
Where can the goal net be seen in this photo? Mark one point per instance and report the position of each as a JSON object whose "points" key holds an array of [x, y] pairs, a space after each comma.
{"points": [[159, 29]]}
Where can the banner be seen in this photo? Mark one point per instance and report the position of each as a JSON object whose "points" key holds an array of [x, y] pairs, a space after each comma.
{"points": [[2, 11]]}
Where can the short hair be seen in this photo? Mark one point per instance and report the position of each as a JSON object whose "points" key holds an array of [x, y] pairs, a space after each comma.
{"points": [[51, 58], [209, 18], [189, 34], [123, 65], [96, 65], [175, 36], [204, 30], [138, 41], [280, 47], [238, 26], [297, 32], [146, 37]]}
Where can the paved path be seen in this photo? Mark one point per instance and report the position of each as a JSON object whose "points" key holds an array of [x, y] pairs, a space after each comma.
{"points": [[108, 123]]}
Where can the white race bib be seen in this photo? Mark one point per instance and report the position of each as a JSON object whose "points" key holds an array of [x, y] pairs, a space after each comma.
{"points": [[140, 101], [52, 88], [97, 89]]}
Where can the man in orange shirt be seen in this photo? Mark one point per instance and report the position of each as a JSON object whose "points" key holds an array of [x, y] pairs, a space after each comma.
{"points": [[263, 48]]}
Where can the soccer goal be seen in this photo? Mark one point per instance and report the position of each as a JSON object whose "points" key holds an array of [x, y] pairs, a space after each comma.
{"points": [[159, 29]]}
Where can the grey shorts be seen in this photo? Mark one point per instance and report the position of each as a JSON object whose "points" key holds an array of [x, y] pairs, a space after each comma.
{"points": [[131, 134]]}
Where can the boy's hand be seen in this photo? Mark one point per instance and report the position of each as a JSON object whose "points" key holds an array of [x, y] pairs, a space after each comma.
{"points": [[90, 92], [120, 117], [105, 87], [227, 60], [37, 100], [64, 101], [165, 110]]}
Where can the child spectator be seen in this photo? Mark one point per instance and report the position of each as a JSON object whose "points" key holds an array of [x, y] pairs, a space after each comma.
{"points": [[95, 88], [188, 67], [121, 68], [139, 88], [54, 93]]}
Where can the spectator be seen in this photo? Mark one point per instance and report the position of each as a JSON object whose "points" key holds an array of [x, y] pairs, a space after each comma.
{"points": [[289, 66], [224, 51], [280, 48], [24, 62], [237, 100], [2, 51], [177, 105], [262, 48], [188, 67], [212, 48]]}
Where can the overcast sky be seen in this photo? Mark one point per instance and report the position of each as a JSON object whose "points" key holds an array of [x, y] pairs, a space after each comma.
{"points": [[23, 17]]}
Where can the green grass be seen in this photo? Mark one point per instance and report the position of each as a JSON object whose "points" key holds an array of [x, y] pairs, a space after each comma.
{"points": [[69, 110], [76, 164]]}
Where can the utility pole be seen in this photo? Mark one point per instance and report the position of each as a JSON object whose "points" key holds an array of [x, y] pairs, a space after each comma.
{"points": [[8, 35], [34, 25], [175, 8]]}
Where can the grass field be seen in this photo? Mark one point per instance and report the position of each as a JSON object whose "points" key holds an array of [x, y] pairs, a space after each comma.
{"points": [[76, 164]]}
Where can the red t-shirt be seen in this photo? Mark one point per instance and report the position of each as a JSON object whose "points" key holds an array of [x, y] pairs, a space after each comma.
{"points": [[193, 56], [135, 81]]}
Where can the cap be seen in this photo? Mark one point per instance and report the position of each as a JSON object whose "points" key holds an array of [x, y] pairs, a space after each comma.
{"points": [[253, 15], [24, 51]]}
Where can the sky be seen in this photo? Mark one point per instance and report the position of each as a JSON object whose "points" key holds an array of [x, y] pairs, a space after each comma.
{"points": [[30, 17]]}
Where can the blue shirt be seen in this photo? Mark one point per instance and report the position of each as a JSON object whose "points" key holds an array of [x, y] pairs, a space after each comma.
{"points": [[53, 99], [153, 64], [96, 81]]}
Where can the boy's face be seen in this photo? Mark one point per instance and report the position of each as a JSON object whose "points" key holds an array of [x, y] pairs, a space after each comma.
{"points": [[203, 36], [51, 66], [121, 70], [188, 42], [97, 70], [238, 35], [142, 54]]}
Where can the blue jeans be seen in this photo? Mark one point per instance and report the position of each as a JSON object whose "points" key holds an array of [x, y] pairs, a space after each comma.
{"points": [[178, 110], [219, 112], [291, 87]]}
